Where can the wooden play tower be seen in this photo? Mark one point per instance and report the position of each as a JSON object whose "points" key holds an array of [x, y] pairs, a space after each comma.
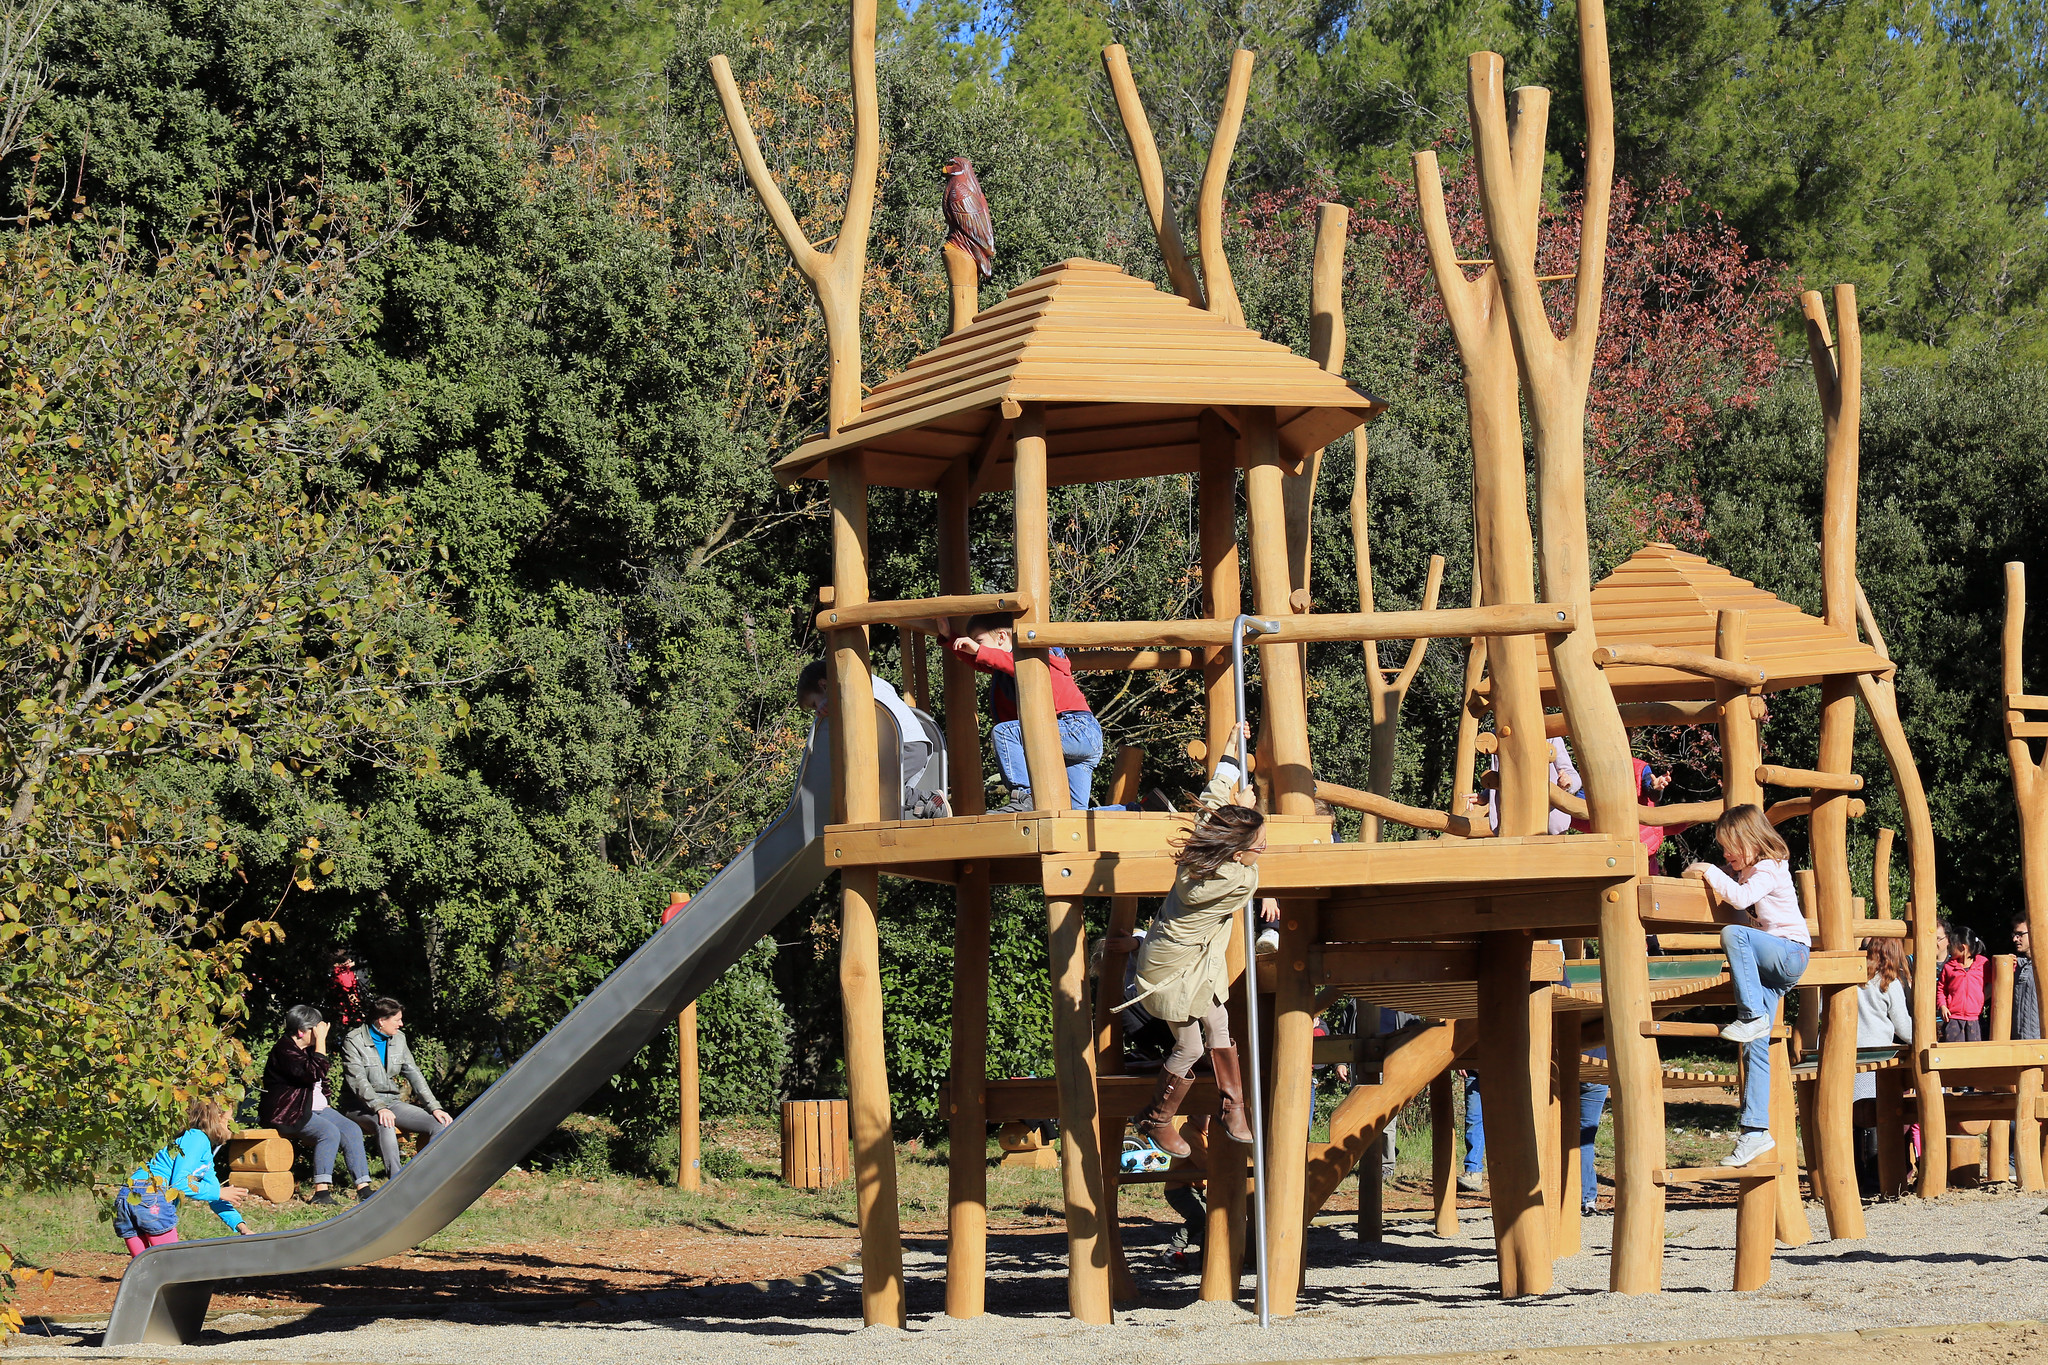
{"points": [[1085, 374]]}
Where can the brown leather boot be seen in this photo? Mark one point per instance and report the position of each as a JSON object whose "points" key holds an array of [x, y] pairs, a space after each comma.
{"points": [[1156, 1122], [1230, 1087]]}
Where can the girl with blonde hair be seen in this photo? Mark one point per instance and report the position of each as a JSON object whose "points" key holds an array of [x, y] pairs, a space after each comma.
{"points": [[1766, 957]]}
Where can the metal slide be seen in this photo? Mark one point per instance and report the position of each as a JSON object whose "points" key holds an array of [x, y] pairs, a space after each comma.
{"points": [[165, 1291]]}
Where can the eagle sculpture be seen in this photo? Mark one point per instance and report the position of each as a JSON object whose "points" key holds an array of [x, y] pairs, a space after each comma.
{"points": [[967, 215]]}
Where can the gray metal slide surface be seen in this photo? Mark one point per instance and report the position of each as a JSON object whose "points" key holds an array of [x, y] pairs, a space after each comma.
{"points": [[163, 1295]]}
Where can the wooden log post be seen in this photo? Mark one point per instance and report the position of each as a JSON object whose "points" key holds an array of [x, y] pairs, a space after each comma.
{"points": [[689, 1130], [1838, 374], [963, 280], [1516, 1117], [1035, 712], [1443, 1152], [1564, 1050], [1222, 590], [1371, 1174], [1109, 1061], [1291, 1111], [2030, 799], [1081, 1174], [1555, 375], [1892, 1156], [967, 1119], [855, 764], [1285, 726], [1998, 1139]]}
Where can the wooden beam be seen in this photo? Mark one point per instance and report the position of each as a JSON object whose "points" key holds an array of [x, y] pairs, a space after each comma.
{"points": [[1415, 817], [1132, 660], [1684, 660], [967, 1106], [923, 609], [1035, 712], [1222, 592], [1334, 626], [1081, 1174], [1771, 775]]}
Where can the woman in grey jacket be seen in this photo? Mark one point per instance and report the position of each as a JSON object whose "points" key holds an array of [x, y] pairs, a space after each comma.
{"points": [[373, 1058]]}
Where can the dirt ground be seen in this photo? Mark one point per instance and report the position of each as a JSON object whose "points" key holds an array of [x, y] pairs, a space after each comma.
{"points": [[1964, 1345]]}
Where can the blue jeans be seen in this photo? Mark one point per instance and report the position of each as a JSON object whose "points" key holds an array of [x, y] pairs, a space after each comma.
{"points": [[1762, 967], [1080, 749], [330, 1133], [1592, 1101], [1475, 1130]]}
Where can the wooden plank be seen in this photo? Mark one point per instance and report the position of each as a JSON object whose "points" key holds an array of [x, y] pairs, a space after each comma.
{"points": [[1671, 1028], [1695, 1175], [2016, 1054], [2026, 729], [1132, 660], [1504, 863], [1381, 919]]}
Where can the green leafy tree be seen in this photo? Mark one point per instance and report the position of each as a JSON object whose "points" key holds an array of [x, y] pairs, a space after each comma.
{"points": [[191, 577]]}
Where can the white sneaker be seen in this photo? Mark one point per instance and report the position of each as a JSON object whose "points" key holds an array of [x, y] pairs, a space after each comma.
{"points": [[1749, 1147], [1269, 941], [1747, 1030]]}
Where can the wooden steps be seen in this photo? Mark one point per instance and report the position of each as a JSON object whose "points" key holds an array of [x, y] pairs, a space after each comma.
{"points": [[1700, 1175]]}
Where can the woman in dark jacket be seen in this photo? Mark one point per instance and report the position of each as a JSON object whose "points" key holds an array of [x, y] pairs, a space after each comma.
{"points": [[295, 1102]]}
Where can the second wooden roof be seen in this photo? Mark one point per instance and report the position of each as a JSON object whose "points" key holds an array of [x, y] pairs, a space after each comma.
{"points": [[1124, 371], [1664, 596]]}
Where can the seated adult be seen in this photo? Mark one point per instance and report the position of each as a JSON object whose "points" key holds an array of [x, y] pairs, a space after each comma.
{"points": [[295, 1102], [373, 1059]]}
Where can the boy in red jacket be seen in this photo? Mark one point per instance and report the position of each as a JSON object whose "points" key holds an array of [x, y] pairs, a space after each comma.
{"points": [[988, 641]]}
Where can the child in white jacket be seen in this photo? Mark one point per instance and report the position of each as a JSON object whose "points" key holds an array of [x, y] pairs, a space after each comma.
{"points": [[1765, 959]]}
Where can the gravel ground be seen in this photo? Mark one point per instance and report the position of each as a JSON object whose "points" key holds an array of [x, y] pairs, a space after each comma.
{"points": [[1968, 1258]]}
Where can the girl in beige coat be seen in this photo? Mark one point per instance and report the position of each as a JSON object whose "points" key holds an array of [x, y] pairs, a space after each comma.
{"points": [[1183, 977]]}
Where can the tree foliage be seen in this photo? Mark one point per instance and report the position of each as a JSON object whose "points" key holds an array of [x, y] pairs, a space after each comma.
{"points": [[191, 575]]}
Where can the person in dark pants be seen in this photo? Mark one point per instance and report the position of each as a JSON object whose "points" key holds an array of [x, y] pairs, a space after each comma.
{"points": [[375, 1058], [295, 1102]]}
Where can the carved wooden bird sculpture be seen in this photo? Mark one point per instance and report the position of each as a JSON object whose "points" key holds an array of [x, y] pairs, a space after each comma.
{"points": [[967, 215]]}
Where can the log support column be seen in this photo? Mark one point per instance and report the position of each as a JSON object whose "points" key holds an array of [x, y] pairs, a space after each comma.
{"points": [[1835, 1090], [855, 769], [1510, 1044]]}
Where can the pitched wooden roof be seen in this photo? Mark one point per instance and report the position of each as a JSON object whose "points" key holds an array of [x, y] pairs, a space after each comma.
{"points": [[1125, 372], [1664, 596]]}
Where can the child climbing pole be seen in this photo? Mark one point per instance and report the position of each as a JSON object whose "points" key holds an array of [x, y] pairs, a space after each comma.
{"points": [[1183, 977], [1764, 961]]}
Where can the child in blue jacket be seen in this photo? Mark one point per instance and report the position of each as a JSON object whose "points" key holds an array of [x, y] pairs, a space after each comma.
{"points": [[146, 1208]]}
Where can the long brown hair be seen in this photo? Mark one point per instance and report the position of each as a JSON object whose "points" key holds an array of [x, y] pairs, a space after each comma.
{"points": [[1747, 828], [210, 1118], [1221, 835], [1891, 959]]}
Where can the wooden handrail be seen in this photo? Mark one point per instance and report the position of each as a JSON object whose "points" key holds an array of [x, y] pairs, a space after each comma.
{"points": [[922, 609], [1132, 660], [1538, 619], [1415, 817], [1686, 813], [1798, 807], [1773, 776], [1684, 660]]}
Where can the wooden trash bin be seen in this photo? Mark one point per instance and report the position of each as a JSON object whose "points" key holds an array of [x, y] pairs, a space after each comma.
{"points": [[260, 1161], [815, 1146]]}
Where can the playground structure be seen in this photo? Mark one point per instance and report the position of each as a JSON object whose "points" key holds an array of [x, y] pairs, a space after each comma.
{"points": [[1084, 374]]}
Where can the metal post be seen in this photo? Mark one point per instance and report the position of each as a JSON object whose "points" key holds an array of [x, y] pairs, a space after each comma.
{"points": [[1255, 1088]]}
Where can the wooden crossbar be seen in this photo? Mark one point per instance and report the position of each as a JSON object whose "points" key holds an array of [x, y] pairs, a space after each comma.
{"points": [[1454, 623], [1684, 660], [1698, 1175], [922, 609], [1771, 775]]}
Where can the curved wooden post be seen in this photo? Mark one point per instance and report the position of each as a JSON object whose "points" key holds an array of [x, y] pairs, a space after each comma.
{"points": [[1222, 590], [1504, 549], [2030, 798], [835, 276], [1556, 373], [1220, 295], [1838, 373]]}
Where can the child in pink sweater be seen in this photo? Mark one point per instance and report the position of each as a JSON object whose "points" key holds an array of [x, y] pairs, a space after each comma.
{"points": [[1960, 986]]}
